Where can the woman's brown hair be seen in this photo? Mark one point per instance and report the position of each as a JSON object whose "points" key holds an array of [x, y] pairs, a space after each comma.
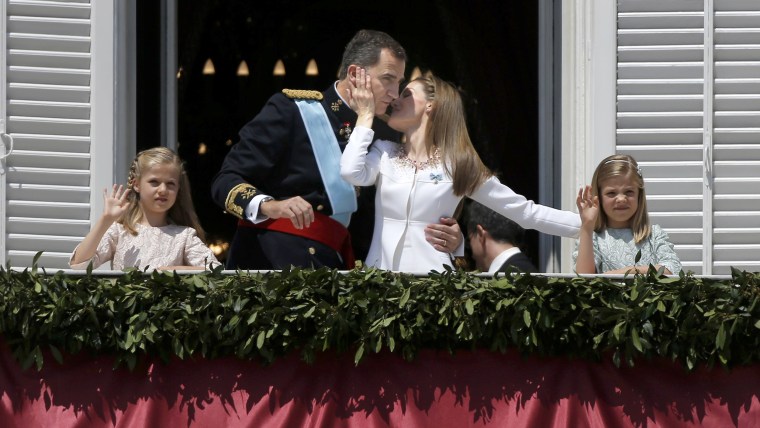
{"points": [[447, 130]]}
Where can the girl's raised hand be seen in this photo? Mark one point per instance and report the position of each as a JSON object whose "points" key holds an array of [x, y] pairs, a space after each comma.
{"points": [[360, 96], [588, 206], [115, 204]]}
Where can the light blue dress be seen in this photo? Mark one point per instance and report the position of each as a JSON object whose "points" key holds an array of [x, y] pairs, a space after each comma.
{"points": [[615, 249]]}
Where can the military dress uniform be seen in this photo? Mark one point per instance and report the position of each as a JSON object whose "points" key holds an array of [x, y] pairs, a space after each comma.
{"points": [[274, 157]]}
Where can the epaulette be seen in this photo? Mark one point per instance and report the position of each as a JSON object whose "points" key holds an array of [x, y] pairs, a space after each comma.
{"points": [[302, 94]]}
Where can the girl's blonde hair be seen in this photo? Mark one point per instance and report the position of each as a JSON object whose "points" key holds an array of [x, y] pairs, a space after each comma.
{"points": [[447, 130], [625, 166], [182, 213]]}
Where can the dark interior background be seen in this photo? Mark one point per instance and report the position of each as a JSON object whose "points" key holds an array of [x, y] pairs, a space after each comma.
{"points": [[487, 48]]}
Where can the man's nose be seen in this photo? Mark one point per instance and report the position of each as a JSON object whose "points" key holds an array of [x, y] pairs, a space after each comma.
{"points": [[393, 92]]}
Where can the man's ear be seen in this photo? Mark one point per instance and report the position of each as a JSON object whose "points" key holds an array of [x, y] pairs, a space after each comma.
{"points": [[480, 233], [351, 73]]}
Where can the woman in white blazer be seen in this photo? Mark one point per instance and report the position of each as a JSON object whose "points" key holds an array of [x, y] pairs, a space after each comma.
{"points": [[426, 176]]}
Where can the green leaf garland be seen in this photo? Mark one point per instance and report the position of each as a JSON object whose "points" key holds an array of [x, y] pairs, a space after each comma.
{"points": [[136, 316]]}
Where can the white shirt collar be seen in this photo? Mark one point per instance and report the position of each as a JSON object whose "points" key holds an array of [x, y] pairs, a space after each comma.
{"points": [[335, 85], [501, 258]]}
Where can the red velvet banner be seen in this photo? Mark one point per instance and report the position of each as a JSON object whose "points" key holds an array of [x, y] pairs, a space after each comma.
{"points": [[469, 389]]}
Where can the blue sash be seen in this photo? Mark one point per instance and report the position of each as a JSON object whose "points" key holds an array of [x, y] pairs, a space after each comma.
{"points": [[327, 152]]}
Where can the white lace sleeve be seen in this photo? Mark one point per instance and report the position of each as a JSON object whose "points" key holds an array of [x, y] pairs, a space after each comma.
{"points": [[196, 252], [104, 252]]}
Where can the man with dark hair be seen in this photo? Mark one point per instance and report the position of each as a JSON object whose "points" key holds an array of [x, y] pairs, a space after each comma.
{"points": [[495, 240], [282, 179]]}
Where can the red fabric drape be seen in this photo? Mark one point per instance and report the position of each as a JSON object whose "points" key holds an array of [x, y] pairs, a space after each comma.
{"points": [[469, 389]]}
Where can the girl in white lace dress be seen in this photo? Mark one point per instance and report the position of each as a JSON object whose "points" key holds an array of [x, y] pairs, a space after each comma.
{"points": [[612, 237], [426, 177], [150, 224]]}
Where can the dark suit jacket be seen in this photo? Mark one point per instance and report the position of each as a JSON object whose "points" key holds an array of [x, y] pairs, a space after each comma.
{"points": [[519, 261], [274, 157]]}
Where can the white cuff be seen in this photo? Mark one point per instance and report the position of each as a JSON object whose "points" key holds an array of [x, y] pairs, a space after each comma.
{"points": [[252, 210]]}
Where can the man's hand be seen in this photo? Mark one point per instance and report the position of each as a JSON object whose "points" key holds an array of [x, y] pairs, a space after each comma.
{"points": [[445, 236], [296, 209]]}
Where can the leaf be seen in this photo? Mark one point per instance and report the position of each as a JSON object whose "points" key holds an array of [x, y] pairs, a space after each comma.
{"points": [[260, 339], [37, 352], [616, 358], [469, 307], [618, 330], [526, 318], [389, 320], [720, 338], [636, 341], [359, 353], [310, 312], [56, 354], [179, 350], [460, 327], [405, 298], [131, 361]]}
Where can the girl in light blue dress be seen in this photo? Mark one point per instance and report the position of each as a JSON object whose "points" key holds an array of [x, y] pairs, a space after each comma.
{"points": [[611, 237]]}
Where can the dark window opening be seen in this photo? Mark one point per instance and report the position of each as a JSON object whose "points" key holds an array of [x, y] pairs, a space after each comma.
{"points": [[488, 49]]}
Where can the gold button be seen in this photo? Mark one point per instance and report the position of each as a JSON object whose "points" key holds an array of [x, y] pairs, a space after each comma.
{"points": [[312, 251], [320, 207]]}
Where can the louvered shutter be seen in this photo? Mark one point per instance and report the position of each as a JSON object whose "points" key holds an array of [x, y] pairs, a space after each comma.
{"points": [[47, 177], [687, 110], [736, 135]]}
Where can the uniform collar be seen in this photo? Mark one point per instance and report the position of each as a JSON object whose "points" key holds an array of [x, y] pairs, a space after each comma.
{"points": [[334, 103]]}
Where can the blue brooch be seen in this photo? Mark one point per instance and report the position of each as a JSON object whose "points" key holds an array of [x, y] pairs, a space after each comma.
{"points": [[436, 177]]}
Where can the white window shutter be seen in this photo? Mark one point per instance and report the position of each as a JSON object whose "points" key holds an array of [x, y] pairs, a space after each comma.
{"points": [[736, 135], [688, 109], [660, 110], [47, 185]]}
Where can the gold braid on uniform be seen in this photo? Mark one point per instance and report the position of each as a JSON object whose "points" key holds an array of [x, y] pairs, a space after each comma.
{"points": [[238, 198], [302, 94]]}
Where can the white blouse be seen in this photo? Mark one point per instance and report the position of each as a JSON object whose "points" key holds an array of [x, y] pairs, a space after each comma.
{"points": [[410, 198], [152, 247]]}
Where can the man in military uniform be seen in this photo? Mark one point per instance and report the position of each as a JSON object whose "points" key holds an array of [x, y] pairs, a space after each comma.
{"points": [[279, 179]]}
